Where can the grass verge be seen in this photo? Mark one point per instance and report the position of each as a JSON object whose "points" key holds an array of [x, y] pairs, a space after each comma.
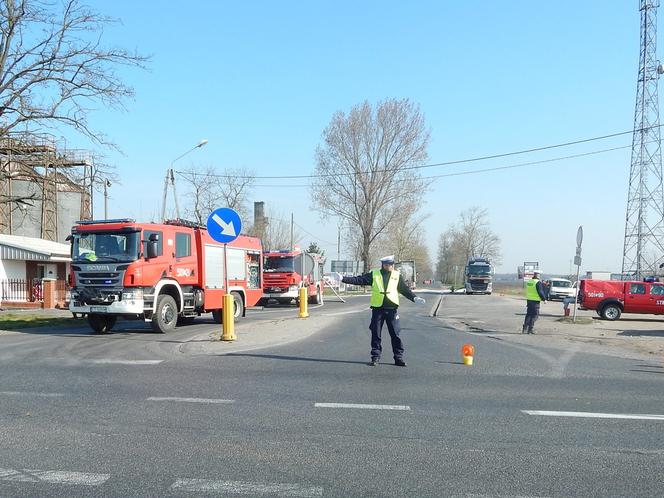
{"points": [[15, 321]]}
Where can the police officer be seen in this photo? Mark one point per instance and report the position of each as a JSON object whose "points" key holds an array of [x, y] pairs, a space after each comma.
{"points": [[535, 294], [386, 285]]}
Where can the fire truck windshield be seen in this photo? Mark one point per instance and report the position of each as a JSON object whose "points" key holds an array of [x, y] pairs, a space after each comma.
{"points": [[105, 247], [279, 263]]}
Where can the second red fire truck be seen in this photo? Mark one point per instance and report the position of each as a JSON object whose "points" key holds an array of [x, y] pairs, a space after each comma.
{"points": [[285, 272]]}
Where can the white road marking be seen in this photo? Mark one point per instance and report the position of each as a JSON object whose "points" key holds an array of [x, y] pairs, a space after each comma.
{"points": [[53, 477], [192, 400], [109, 361], [546, 413], [246, 488], [293, 308], [363, 406], [39, 395], [346, 312]]}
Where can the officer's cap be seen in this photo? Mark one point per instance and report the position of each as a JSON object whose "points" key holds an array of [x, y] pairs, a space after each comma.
{"points": [[387, 260]]}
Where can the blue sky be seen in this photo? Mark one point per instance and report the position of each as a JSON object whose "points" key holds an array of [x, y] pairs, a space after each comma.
{"points": [[261, 80]]}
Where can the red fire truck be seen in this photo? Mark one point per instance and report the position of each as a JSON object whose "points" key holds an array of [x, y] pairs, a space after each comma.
{"points": [[283, 273], [611, 298], [162, 273]]}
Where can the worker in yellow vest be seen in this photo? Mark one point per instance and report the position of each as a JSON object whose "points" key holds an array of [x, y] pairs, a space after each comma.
{"points": [[535, 294], [386, 285]]}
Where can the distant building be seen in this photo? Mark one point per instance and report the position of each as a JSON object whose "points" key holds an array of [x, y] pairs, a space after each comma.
{"points": [[44, 189], [27, 265]]}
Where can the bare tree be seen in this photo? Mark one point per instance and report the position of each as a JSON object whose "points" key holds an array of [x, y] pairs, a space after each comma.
{"points": [[405, 239], [470, 237], [280, 233], [209, 190], [363, 168], [53, 66]]}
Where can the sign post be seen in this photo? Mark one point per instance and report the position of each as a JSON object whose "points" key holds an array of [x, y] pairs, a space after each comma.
{"points": [[224, 225], [577, 262]]}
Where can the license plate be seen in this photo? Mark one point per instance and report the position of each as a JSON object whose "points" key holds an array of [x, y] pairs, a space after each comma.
{"points": [[98, 309]]}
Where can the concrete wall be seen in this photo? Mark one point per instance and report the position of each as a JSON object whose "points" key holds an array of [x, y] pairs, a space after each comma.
{"points": [[12, 269]]}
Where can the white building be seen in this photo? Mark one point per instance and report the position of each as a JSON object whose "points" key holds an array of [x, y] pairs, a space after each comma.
{"points": [[25, 262]]}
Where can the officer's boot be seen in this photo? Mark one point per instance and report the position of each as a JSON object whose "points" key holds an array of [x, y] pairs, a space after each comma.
{"points": [[524, 329]]}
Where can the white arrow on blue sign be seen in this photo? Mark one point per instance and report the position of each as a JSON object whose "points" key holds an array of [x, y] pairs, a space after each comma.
{"points": [[224, 225]]}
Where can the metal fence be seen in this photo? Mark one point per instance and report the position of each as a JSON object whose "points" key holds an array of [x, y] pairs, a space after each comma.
{"points": [[61, 291], [25, 291], [21, 290]]}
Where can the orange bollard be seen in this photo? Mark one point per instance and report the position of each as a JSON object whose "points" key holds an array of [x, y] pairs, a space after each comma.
{"points": [[468, 351]]}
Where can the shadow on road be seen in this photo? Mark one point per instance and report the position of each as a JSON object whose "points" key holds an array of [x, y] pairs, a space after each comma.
{"points": [[623, 319], [642, 333], [649, 371], [554, 315], [293, 358]]}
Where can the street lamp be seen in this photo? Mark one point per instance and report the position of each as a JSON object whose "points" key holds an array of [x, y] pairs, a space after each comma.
{"points": [[107, 183], [170, 178]]}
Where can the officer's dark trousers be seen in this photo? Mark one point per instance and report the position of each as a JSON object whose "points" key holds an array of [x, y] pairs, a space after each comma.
{"points": [[532, 312], [391, 318]]}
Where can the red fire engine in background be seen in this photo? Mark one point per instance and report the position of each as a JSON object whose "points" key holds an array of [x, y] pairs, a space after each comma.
{"points": [[161, 273], [284, 272], [611, 298]]}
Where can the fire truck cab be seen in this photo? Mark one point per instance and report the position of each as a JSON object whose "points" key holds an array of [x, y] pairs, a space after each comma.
{"points": [[285, 272], [165, 274]]}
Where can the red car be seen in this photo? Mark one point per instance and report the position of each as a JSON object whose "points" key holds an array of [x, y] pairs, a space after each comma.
{"points": [[611, 298]]}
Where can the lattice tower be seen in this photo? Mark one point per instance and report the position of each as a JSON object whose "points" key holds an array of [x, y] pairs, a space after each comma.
{"points": [[643, 250]]}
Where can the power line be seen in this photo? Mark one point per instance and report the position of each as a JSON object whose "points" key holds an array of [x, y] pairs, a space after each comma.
{"points": [[440, 164], [497, 168], [314, 236]]}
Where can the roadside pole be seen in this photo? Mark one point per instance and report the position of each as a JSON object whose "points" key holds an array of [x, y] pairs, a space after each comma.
{"points": [[224, 225], [577, 262], [228, 310]]}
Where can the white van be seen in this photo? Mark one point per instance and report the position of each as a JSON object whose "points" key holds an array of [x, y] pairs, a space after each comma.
{"points": [[560, 288]]}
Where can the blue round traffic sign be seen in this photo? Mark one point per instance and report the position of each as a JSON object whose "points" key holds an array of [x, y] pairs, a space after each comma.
{"points": [[224, 225]]}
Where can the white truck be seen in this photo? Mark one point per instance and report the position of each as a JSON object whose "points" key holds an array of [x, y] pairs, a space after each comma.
{"points": [[478, 276], [407, 270]]}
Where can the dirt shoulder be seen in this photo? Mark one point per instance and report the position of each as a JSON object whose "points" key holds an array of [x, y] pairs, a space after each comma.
{"points": [[640, 335]]}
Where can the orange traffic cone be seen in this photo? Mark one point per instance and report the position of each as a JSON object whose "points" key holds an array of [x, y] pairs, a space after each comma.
{"points": [[467, 351]]}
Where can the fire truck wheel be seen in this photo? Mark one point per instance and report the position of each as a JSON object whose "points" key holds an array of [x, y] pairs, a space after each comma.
{"points": [[611, 311], [318, 298], [101, 324], [165, 316], [239, 305]]}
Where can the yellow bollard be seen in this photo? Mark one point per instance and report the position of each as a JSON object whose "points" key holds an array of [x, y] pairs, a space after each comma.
{"points": [[228, 319], [304, 303]]}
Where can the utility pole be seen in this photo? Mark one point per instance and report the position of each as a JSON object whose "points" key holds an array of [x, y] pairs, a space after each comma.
{"points": [[339, 243], [107, 184], [643, 250], [170, 179], [292, 221]]}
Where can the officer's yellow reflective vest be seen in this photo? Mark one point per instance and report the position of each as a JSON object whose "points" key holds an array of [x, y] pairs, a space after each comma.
{"points": [[531, 290], [378, 292]]}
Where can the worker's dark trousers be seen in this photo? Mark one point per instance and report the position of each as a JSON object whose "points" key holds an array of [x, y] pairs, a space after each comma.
{"points": [[532, 312], [391, 318]]}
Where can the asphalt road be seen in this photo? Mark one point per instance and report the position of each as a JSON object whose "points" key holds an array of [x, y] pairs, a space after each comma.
{"points": [[134, 414]]}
